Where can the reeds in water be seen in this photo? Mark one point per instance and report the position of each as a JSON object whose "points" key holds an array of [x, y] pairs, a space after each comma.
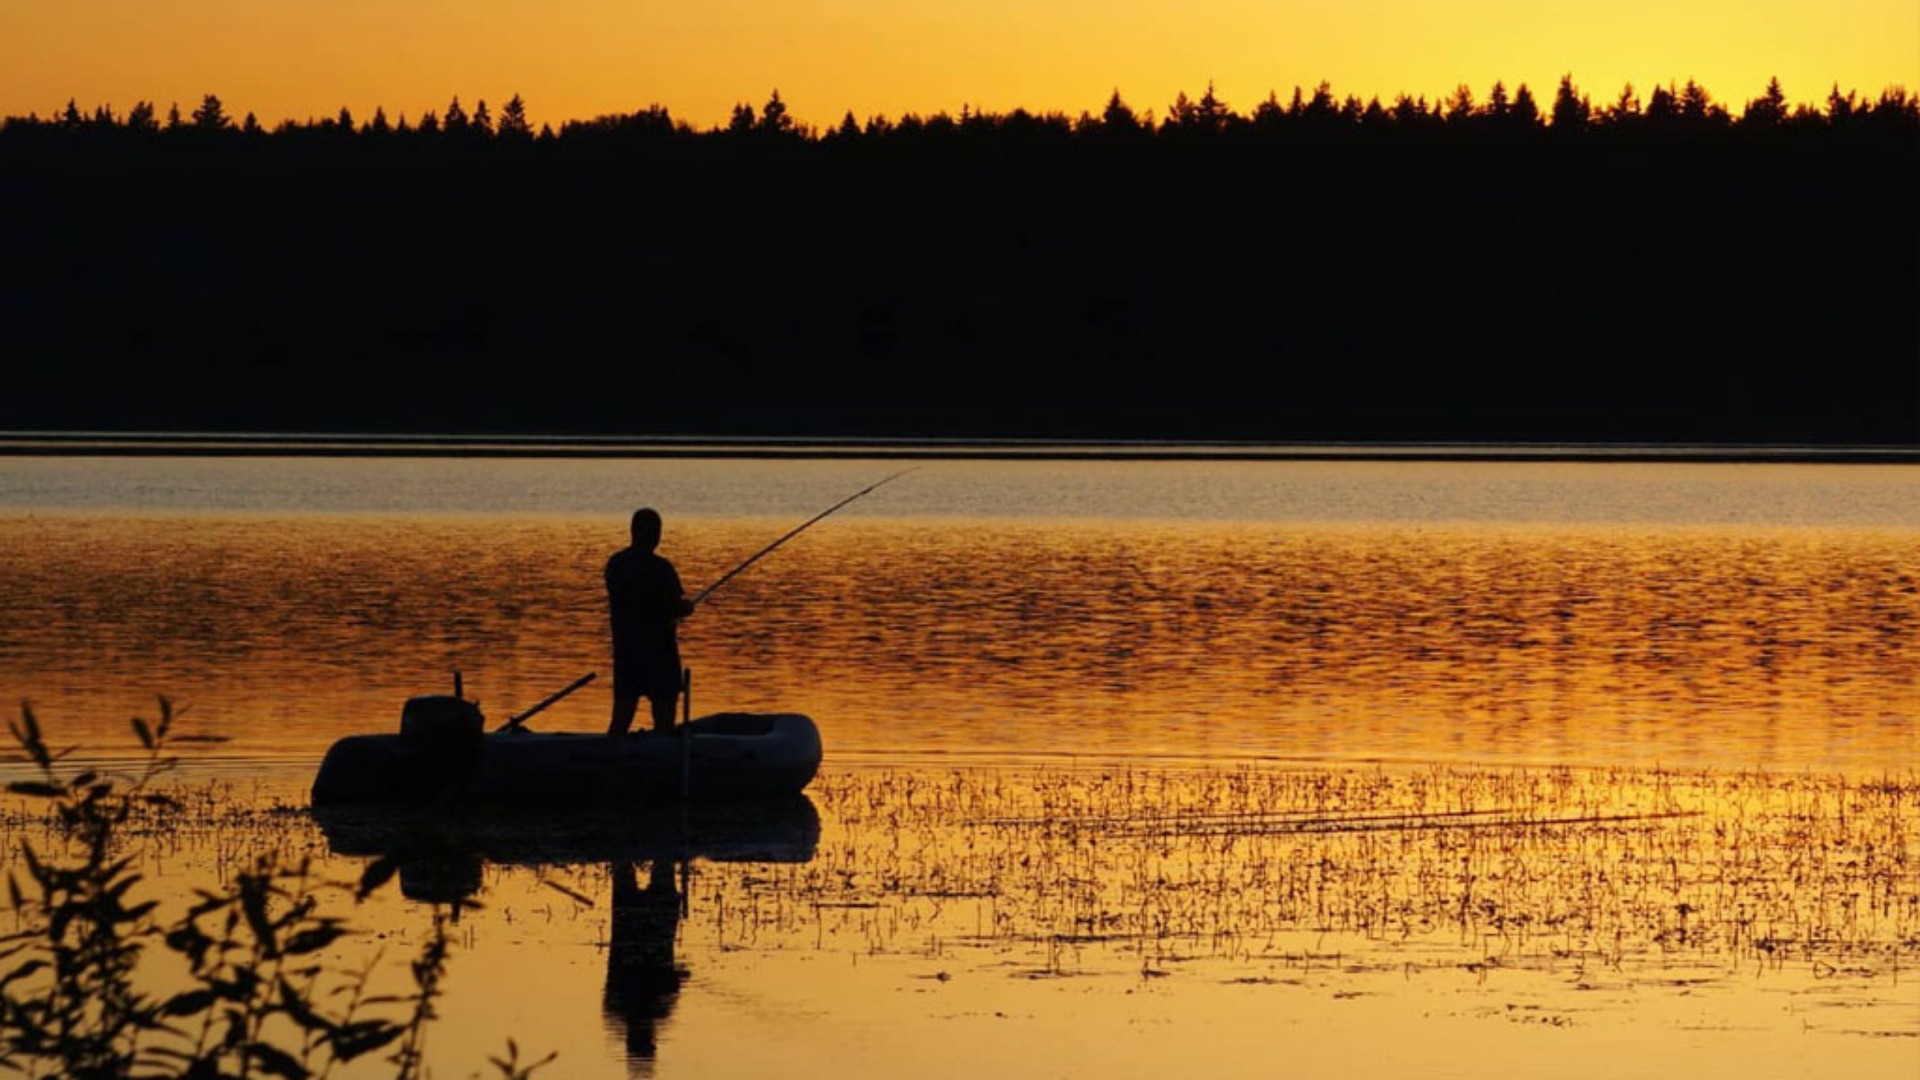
{"points": [[1536, 866]]}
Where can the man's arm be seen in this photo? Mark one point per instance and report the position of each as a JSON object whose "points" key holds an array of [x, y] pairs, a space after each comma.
{"points": [[680, 605]]}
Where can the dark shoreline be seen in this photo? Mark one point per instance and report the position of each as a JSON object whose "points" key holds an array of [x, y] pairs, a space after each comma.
{"points": [[159, 444], [1647, 282]]}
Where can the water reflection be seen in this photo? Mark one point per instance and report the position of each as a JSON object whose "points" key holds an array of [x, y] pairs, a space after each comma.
{"points": [[643, 977], [1158, 920], [649, 855], [1783, 649]]}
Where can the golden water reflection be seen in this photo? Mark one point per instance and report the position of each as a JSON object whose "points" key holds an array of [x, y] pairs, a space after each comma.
{"points": [[1096, 921], [1139, 921], [1785, 649], [1115, 794]]}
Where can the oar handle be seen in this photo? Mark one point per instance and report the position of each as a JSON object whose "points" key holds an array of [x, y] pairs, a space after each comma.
{"points": [[576, 684]]}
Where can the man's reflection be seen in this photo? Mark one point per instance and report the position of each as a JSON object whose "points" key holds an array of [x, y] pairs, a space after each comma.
{"points": [[643, 981], [441, 859]]}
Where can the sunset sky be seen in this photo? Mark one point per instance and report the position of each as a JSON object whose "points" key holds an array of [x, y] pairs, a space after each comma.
{"points": [[579, 58]]}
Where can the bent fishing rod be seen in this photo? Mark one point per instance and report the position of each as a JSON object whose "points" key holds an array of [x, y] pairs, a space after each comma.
{"points": [[802, 527]]}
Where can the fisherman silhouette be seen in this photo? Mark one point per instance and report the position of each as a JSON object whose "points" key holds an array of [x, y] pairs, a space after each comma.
{"points": [[646, 603], [643, 981]]}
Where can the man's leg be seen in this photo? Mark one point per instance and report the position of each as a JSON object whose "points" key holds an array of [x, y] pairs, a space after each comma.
{"points": [[625, 703], [663, 708]]}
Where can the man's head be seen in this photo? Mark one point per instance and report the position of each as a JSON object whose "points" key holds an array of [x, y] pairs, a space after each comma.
{"points": [[646, 528]]}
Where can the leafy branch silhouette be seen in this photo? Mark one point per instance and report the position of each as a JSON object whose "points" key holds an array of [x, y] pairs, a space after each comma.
{"points": [[259, 1000]]}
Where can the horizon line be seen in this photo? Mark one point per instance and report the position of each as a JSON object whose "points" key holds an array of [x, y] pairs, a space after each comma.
{"points": [[828, 447], [1299, 90]]}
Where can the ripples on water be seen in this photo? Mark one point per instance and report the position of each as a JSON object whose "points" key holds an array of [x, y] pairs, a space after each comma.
{"points": [[1786, 649], [1132, 769]]}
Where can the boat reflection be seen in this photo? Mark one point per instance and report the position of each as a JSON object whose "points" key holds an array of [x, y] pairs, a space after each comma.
{"points": [[441, 857]]}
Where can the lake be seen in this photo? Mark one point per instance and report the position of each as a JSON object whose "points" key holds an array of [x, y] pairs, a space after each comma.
{"points": [[1598, 768]]}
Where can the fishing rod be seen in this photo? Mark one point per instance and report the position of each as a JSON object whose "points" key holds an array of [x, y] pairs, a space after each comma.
{"points": [[802, 527]]}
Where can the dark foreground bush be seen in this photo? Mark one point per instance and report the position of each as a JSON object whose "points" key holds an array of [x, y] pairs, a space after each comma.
{"points": [[257, 1001]]}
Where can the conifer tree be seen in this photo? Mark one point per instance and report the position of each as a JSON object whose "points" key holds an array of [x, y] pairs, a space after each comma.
{"points": [[773, 117], [211, 115], [1498, 104], [1209, 115], [1625, 109], [1572, 112], [513, 120], [1697, 106], [1662, 106], [1841, 110], [1525, 111], [1769, 110], [1460, 105]]}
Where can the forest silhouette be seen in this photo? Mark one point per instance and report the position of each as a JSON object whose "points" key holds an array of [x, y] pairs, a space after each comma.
{"points": [[1657, 269]]}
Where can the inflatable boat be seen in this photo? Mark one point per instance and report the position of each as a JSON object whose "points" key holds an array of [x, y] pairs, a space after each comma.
{"points": [[444, 755]]}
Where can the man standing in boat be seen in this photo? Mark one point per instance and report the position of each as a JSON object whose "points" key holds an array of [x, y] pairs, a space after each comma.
{"points": [[646, 603]]}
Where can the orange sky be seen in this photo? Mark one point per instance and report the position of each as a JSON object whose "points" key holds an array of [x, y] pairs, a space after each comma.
{"points": [[579, 58]]}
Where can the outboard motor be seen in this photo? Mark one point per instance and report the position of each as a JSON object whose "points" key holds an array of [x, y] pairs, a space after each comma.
{"points": [[441, 744], [444, 737], [436, 718]]}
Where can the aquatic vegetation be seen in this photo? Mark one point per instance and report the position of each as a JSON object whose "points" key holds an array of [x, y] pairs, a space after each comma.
{"points": [[1577, 870], [1546, 896], [256, 997], [1581, 870]]}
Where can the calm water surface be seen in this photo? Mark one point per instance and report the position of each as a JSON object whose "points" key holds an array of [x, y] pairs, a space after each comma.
{"points": [[1738, 616], [1132, 767]]}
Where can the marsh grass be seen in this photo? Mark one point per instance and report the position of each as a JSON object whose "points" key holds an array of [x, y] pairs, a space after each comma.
{"points": [[1625, 880], [1581, 870], [1586, 870]]}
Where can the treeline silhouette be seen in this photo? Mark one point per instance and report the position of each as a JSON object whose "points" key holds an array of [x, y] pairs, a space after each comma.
{"points": [[1501, 269]]}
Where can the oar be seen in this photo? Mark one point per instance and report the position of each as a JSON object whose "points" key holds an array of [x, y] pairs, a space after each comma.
{"points": [[514, 724], [803, 527]]}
